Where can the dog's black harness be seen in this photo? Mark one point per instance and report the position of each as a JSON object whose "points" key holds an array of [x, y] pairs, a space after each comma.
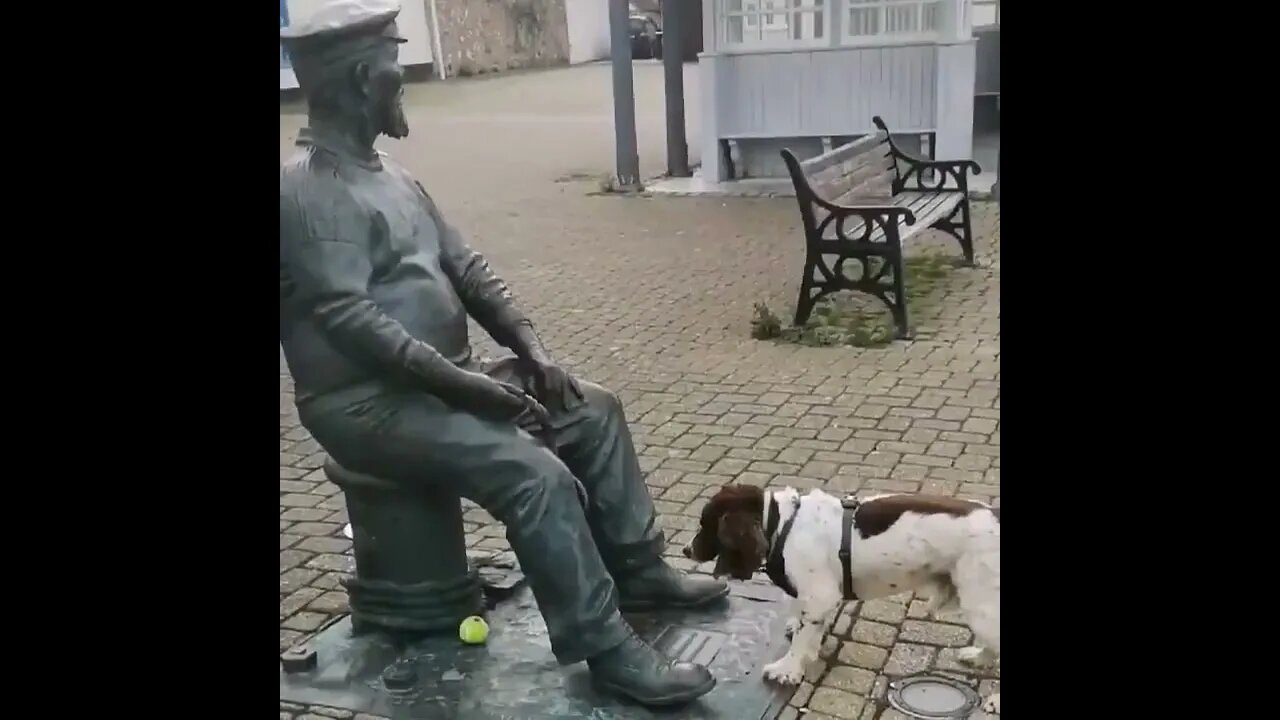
{"points": [[776, 568]]}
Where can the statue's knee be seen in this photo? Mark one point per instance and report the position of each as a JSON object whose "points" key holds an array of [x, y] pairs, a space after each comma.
{"points": [[543, 489], [603, 401]]}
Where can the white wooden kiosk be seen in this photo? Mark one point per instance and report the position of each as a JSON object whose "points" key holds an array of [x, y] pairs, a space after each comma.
{"points": [[805, 73]]}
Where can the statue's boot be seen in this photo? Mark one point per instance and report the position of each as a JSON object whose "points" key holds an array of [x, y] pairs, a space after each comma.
{"points": [[661, 585], [637, 671]]}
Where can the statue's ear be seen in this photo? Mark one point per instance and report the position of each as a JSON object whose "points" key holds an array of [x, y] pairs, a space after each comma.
{"points": [[362, 78]]}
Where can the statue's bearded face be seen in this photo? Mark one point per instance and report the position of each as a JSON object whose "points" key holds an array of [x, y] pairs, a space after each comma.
{"points": [[383, 89]]}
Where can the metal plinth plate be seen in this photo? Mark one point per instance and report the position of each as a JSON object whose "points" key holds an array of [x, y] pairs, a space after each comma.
{"points": [[933, 697], [515, 677]]}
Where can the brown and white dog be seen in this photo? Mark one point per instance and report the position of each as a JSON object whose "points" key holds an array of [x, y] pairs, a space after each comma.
{"points": [[947, 547]]}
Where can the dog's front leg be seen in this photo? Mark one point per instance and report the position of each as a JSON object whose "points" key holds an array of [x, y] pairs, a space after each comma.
{"points": [[815, 615], [792, 626]]}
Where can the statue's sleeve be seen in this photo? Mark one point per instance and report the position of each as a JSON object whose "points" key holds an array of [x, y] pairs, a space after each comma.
{"points": [[325, 243], [486, 297]]}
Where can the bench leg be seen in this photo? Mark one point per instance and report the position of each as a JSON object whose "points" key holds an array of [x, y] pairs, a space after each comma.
{"points": [[898, 308], [960, 226], [804, 305]]}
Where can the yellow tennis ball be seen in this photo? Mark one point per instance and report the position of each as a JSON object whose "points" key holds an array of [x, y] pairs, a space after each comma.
{"points": [[473, 631]]}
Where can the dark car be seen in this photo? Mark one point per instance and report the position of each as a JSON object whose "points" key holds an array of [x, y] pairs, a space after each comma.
{"points": [[646, 38]]}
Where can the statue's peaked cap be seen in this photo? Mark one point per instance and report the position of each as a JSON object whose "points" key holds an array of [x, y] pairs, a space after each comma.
{"points": [[343, 19]]}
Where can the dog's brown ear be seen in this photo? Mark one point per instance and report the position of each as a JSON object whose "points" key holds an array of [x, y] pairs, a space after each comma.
{"points": [[706, 543]]}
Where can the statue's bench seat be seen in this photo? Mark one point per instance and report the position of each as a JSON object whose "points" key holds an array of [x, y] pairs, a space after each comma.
{"points": [[412, 573]]}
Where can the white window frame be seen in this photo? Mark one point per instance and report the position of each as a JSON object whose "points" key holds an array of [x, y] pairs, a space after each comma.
{"points": [[953, 17], [848, 39], [973, 4], [760, 15]]}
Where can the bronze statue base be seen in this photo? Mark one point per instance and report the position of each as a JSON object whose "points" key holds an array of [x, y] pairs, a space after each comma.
{"points": [[514, 675]]}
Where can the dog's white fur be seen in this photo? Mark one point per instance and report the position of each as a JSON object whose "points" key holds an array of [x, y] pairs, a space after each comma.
{"points": [[955, 560]]}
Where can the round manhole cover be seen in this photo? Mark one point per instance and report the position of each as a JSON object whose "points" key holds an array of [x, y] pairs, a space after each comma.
{"points": [[932, 697]]}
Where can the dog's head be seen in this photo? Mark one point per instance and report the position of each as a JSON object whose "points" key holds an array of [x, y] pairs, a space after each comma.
{"points": [[731, 532]]}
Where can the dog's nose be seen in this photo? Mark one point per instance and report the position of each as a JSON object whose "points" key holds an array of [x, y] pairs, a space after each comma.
{"points": [[688, 551]]}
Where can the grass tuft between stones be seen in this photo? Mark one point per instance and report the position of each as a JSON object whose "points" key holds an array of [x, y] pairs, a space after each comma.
{"points": [[855, 319]]}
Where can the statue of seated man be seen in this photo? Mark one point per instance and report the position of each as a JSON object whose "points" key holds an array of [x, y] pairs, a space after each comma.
{"points": [[375, 292]]}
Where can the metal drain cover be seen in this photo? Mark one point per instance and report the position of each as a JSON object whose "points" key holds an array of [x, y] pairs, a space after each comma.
{"points": [[933, 697]]}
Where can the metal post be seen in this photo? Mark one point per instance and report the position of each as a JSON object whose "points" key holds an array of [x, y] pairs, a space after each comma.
{"points": [[624, 100], [995, 187], [673, 72]]}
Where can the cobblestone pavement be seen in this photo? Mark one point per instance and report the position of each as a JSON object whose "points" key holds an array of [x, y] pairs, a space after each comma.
{"points": [[652, 297]]}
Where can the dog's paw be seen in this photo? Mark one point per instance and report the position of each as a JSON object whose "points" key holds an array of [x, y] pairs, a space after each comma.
{"points": [[992, 704], [975, 656], [793, 626], [785, 671]]}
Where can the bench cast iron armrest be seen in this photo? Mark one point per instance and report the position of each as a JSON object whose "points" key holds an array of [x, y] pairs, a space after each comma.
{"points": [[884, 217], [912, 180]]}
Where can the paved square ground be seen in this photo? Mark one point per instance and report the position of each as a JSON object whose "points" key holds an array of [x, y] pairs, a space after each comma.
{"points": [[652, 297]]}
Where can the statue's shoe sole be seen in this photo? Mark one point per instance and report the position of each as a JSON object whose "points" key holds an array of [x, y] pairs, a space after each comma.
{"points": [[679, 698], [638, 604]]}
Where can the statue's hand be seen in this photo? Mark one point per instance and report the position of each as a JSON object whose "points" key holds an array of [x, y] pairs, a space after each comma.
{"points": [[552, 384], [497, 400]]}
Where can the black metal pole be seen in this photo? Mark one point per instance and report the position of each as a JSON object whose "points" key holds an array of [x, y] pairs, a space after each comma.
{"points": [[673, 72], [624, 100], [995, 187]]}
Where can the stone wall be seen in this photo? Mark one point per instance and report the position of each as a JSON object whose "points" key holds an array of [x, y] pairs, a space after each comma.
{"points": [[481, 36]]}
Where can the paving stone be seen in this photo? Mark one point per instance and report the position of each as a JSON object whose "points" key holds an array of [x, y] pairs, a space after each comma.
{"points": [[907, 658], [932, 633], [330, 603], [863, 655], [292, 558], [801, 695], [299, 500], [947, 661], [293, 579], [842, 625], [296, 514], [885, 611], [836, 703], [856, 680], [298, 600], [304, 621], [288, 638], [874, 633], [316, 529]]}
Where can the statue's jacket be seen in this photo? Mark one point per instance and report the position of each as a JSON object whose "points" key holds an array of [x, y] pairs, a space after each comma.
{"points": [[375, 287]]}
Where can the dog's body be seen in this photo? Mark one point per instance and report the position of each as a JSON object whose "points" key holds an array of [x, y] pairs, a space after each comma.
{"points": [[946, 547]]}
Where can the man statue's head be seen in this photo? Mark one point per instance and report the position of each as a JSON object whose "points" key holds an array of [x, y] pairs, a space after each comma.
{"points": [[346, 58]]}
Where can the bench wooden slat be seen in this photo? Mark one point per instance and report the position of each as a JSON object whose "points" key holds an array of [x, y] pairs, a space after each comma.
{"points": [[870, 179], [816, 164], [927, 207]]}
